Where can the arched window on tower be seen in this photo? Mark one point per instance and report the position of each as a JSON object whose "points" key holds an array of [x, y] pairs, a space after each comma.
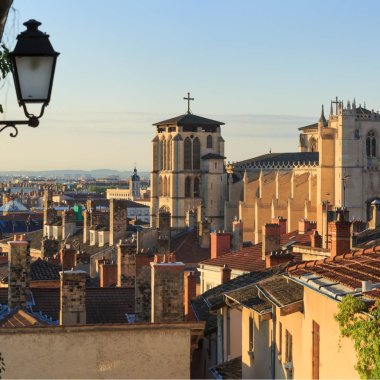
{"points": [[187, 187], [155, 156], [187, 153], [160, 187], [169, 154], [168, 188], [371, 144], [209, 141], [196, 153], [196, 187], [313, 145], [163, 154], [165, 187]]}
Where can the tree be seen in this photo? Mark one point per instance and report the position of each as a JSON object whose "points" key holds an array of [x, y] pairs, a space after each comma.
{"points": [[362, 325]]}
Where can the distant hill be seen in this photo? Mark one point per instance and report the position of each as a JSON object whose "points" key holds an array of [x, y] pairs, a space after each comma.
{"points": [[72, 173]]}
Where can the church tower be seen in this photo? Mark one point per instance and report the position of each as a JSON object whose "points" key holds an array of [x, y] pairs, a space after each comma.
{"points": [[188, 170]]}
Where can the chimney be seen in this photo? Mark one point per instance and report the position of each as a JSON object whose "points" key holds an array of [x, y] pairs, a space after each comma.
{"points": [[340, 232], [315, 240], [126, 264], [271, 238], [226, 274], [237, 234], [281, 222], [220, 243], [204, 233], [190, 292], [19, 272], [375, 209], [167, 287], [118, 220], [305, 226], [143, 286], [68, 258], [108, 274], [367, 286], [277, 258], [72, 297]]}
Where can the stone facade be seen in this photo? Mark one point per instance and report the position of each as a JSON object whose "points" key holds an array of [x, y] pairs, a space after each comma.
{"points": [[339, 166], [143, 293]]}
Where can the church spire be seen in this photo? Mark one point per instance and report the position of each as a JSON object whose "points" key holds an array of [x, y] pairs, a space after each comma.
{"points": [[322, 119], [331, 109]]}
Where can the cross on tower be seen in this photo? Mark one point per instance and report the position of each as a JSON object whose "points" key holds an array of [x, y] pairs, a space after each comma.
{"points": [[336, 104], [188, 101]]}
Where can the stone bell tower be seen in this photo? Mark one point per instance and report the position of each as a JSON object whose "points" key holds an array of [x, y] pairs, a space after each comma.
{"points": [[188, 170]]}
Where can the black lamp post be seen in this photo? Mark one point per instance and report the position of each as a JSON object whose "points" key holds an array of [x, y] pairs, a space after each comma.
{"points": [[33, 64]]}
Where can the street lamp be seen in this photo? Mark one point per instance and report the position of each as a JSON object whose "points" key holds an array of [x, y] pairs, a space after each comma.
{"points": [[33, 64]]}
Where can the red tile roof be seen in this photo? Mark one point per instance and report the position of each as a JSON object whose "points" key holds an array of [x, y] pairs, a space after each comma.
{"points": [[249, 259], [349, 269]]}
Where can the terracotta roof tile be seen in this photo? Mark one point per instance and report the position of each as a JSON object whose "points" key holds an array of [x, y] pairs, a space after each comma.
{"points": [[228, 370], [349, 269]]}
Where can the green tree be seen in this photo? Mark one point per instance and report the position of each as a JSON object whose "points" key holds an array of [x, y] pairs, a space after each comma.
{"points": [[362, 325], [5, 65]]}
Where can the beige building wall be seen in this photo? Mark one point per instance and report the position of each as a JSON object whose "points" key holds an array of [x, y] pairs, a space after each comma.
{"points": [[337, 357], [98, 352]]}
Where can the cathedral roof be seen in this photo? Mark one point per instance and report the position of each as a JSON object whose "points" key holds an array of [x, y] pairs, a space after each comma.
{"points": [[362, 110], [310, 126], [213, 156], [188, 120], [283, 158]]}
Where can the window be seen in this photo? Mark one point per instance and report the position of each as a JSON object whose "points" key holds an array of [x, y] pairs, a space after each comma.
{"points": [[279, 347], [288, 349], [169, 154], [209, 141], [251, 335], [196, 187], [228, 331], [187, 153], [315, 347], [312, 145], [196, 154], [163, 154], [371, 144], [187, 187]]}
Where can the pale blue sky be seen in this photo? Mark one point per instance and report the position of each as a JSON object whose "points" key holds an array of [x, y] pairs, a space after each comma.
{"points": [[262, 67]]}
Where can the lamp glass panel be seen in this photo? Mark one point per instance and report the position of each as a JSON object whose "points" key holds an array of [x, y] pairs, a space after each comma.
{"points": [[34, 75]]}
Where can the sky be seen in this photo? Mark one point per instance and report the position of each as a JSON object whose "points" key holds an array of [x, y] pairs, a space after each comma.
{"points": [[262, 67]]}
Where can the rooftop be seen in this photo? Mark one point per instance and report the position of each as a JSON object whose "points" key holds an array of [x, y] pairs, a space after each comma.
{"points": [[189, 120], [343, 274]]}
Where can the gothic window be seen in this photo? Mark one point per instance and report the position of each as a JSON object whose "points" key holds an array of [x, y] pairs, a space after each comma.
{"points": [[165, 187], [196, 187], [209, 141], [187, 187], [168, 188], [163, 154], [196, 154], [155, 156], [371, 144], [187, 153], [160, 189], [312, 145], [168, 154]]}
